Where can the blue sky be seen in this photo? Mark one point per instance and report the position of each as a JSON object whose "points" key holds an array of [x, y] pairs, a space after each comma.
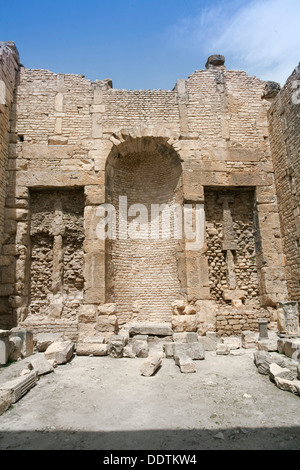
{"points": [[149, 44]]}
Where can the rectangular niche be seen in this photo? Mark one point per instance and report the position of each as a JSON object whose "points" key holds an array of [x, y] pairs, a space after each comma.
{"points": [[56, 237], [231, 244]]}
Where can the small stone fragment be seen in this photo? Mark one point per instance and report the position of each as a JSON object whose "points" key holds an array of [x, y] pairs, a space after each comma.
{"points": [[151, 364]]}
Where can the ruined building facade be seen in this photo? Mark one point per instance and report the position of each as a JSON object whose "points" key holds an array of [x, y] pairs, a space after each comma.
{"points": [[222, 144]]}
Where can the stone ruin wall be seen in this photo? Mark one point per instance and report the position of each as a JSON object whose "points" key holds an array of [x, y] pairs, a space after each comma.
{"points": [[64, 132], [284, 119]]}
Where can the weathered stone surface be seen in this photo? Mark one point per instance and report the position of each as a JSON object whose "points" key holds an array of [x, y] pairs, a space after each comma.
{"points": [[15, 348], [4, 347], [27, 339], [147, 328], [267, 344], [233, 342], [178, 307], [44, 340], [169, 350], [182, 323], [151, 364], [107, 323], [222, 350], [20, 386], [187, 337], [193, 350], [40, 364], [283, 373], [291, 317], [140, 348], [210, 343], [215, 60], [60, 351], [288, 385], [289, 347], [128, 352], [115, 346], [91, 349], [186, 364], [5, 400], [249, 339]]}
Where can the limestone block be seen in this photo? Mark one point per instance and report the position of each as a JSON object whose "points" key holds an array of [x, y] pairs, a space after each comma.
{"points": [[148, 328], [40, 365], [234, 294], [140, 348], [5, 400], [107, 309], [128, 352], [193, 350], [169, 350], [4, 346], [288, 385], [210, 343], [178, 307], [43, 340], [15, 348], [27, 340], [87, 313], [222, 350], [151, 365], [249, 339], [233, 342], [20, 386], [182, 323], [60, 351], [206, 316], [186, 364], [107, 323], [186, 337], [91, 349], [115, 347], [267, 344], [289, 347], [94, 339], [283, 373]]}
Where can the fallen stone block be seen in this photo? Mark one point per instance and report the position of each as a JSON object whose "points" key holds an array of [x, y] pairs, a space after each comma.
{"points": [[44, 340], [27, 340], [60, 351], [233, 342], [292, 386], [193, 350], [128, 352], [91, 349], [147, 328], [115, 347], [209, 341], [186, 364], [94, 339], [249, 339], [264, 360], [15, 348], [222, 350], [289, 347], [150, 365], [236, 352], [4, 346], [20, 386], [141, 338], [186, 337], [283, 373], [40, 365], [140, 348], [5, 400], [169, 350], [269, 345]]}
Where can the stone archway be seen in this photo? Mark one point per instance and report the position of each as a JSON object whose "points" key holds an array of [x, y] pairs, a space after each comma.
{"points": [[142, 274]]}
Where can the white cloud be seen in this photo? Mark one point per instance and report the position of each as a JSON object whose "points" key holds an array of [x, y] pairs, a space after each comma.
{"points": [[261, 37]]}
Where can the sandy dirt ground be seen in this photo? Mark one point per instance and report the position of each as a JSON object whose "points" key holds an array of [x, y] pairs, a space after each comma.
{"points": [[104, 403]]}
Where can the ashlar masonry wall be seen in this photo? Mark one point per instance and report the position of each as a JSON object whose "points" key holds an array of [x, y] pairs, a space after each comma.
{"points": [[65, 131], [284, 122]]}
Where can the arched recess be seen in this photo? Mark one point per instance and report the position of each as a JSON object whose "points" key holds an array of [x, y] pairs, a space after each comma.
{"points": [[144, 276]]}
